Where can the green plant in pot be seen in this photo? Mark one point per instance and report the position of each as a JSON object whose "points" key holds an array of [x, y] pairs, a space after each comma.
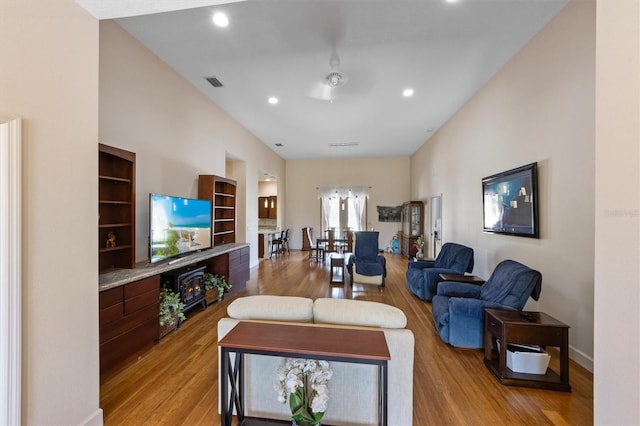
{"points": [[171, 307], [212, 281]]}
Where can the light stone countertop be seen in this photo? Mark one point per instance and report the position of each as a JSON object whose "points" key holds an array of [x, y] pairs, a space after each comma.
{"points": [[144, 269]]}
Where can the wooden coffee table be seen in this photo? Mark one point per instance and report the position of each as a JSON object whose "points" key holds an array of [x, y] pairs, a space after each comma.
{"points": [[297, 341]]}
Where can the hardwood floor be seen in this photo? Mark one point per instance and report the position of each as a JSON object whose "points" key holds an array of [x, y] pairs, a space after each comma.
{"points": [[176, 382]]}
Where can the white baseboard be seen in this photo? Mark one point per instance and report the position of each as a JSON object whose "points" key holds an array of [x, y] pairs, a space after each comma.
{"points": [[581, 358], [96, 419]]}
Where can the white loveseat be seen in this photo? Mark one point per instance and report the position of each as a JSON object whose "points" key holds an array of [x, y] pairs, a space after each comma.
{"points": [[353, 387]]}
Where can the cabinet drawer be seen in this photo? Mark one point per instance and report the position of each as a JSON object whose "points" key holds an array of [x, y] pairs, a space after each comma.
{"points": [[234, 257], [112, 313], [143, 286], [129, 322], [110, 297], [113, 352], [244, 256], [146, 299]]}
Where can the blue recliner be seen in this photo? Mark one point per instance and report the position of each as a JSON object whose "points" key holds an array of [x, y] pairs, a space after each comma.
{"points": [[458, 308], [366, 265], [423, 276]]}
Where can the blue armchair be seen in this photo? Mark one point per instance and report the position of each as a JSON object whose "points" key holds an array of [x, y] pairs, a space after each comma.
{"points": [[458, 308], [366, 266], [423, 276]]}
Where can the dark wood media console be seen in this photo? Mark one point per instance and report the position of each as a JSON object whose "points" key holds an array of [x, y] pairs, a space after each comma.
{"points": [[130, 300]]}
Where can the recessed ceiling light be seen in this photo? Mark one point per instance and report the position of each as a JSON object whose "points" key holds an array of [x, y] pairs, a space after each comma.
{"points": [[407, 92], [220, 19], [273, 100]]}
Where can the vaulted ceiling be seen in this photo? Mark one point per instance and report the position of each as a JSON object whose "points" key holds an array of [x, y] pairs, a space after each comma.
{"points": [[443, 50]]}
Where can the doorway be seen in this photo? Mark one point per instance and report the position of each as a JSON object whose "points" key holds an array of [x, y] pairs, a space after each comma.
{"points": [[10, 270], [435, 226]]}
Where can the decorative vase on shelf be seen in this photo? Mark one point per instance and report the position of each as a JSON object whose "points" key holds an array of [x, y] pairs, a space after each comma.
{"points": [[419, 254]]}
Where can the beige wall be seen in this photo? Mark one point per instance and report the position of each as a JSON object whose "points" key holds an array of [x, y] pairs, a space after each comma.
{"points": [[49, 77], [176, 133], [388, 178], [617, 211], [539, 107], [266, 189]]}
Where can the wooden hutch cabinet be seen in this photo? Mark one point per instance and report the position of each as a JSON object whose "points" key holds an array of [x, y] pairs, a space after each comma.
{"points": [[222, 194], [412, 226], [116, 208]]}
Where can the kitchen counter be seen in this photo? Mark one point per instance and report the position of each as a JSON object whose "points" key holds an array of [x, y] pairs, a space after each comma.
{"points": [[265, 236]]}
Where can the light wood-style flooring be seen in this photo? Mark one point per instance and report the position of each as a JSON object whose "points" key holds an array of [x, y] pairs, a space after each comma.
{"points": [[176, 382]]}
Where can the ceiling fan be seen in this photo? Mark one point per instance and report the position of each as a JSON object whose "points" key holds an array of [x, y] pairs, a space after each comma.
{"points": [[334, 79]]}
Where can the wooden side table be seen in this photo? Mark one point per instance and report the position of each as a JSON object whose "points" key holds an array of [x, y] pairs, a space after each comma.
{"points": [[337, 262], [296, 341], [461, 278], [514, 327]]}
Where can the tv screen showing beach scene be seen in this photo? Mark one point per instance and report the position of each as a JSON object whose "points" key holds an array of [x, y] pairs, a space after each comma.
{"points": [[177, 226]]}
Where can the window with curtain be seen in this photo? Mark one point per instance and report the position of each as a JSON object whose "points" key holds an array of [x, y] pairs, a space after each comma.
{"points": [[344, 208]]}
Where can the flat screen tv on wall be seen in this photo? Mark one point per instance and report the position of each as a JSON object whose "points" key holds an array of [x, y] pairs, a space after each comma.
{"points": [[177, 226], [510, 202]]}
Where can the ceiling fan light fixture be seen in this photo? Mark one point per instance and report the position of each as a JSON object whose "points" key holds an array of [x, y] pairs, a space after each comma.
{"points": [[335, 79]]}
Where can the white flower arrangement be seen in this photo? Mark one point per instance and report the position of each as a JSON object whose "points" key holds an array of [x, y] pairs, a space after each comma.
{"points": [[305, 382]]}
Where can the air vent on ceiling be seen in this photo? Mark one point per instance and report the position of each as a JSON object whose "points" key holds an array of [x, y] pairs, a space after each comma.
{"points": [[343, 144], [214, 81]]}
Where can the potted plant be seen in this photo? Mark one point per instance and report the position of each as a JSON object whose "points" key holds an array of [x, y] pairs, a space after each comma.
{"points": [[420, 246], [304, 382], [213, 283], [171, 314]]}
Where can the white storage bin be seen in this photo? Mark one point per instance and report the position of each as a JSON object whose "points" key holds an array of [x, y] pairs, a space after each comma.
{"points": [[527, 359]]}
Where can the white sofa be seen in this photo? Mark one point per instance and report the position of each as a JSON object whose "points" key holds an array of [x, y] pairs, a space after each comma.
{"points": [[353, 387]]}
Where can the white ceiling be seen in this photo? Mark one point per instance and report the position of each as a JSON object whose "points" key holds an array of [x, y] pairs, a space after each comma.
{"points": [[444, 51]]}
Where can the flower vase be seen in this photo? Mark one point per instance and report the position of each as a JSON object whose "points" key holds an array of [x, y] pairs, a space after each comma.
{"points": [[419, 254]]}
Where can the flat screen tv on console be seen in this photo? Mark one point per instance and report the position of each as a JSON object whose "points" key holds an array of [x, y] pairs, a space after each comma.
{"points": [[177, 226], [510, 204]]}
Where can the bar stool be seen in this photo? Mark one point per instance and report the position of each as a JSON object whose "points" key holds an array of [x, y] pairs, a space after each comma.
{"points": [[276, 245], [285, 241]]}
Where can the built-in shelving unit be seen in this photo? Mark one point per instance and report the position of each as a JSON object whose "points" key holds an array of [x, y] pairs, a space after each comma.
{"points": [[116, 199], [222, 193]]}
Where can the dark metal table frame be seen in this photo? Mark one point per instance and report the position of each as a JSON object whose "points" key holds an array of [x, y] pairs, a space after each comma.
{"points": [[235, 373]]}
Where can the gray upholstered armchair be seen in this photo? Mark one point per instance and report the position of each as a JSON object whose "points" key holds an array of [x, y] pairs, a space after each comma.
{"points": [[458, 308], [366, 265], [423, 276]]}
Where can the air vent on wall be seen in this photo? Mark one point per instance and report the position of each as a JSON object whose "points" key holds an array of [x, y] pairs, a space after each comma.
{"points": [[214, 81]]}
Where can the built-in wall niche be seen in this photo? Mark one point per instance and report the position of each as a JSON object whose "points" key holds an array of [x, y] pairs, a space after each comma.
{"points": [[222, 193], [116, 208], [268, 199]]}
